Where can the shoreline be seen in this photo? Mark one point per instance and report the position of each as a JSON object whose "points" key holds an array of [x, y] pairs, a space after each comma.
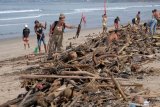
{"points": [[13, 47], [46, 32], [33, 35]]}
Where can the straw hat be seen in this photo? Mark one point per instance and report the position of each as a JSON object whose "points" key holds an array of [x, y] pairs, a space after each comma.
{"points": [[61, 15]]}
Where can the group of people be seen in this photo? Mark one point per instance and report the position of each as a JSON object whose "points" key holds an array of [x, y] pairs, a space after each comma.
{"points": [[55, 33], [149, 26], [58, 27], [104, 23], [39, 28], [135, 21]]}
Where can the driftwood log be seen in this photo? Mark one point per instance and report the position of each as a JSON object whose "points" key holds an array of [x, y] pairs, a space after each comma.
{"points": [[65, 77]]}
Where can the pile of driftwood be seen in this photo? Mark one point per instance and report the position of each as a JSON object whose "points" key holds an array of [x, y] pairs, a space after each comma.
{"points": [[92, 74]]}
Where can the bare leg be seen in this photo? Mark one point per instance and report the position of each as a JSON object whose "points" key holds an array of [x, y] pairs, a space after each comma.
{"points": [[39, 49], [28, 45], [24, 46], [103, 30], [45, 47], [39, 45]]}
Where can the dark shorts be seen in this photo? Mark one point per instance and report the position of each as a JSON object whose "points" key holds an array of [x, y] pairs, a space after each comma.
{"points": [[41, 39]]}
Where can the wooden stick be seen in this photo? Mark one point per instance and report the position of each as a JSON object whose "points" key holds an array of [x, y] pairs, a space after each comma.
{"points": [[139, 93], [76, 59], [123, 85], [124, 56], [136, 94], [31, 99], [24, 99], [149, 96], [94, 58], [11, 102], [29, 76], [79, 65], [56, 93], [124, 47], [75, 100], [108, 55], [118, 86], [77, 73], [73, 83], [129, 85]]}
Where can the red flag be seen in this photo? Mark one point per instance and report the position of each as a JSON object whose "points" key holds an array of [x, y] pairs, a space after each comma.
{"points": [[105, 11], [84, 18]]}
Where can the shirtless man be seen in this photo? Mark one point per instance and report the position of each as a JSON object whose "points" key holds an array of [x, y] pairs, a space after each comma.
{"points": [[157, 16], [112, 37]]}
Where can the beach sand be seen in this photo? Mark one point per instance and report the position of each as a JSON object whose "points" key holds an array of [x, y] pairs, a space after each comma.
{"points": [[12, 48]]}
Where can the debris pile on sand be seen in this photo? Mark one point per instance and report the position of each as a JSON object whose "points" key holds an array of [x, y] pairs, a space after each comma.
{"points": [[92, 74]]}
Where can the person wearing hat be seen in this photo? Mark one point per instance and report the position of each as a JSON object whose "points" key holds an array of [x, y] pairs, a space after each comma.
{"points": [[114, 36], [56, 35], [26, 32], [38, 28]]}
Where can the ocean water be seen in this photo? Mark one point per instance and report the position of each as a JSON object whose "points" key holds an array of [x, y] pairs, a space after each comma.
{"points": [[14, 15]]}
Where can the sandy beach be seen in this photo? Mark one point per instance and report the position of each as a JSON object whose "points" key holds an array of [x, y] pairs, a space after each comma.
{"points": [[106, 70], [13, 48]]}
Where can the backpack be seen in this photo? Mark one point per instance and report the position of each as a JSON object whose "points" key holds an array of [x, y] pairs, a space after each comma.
{"points": [[55, 24]]}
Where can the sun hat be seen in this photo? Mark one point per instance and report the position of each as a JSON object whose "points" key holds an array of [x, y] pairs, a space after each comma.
{"points": [[61, 15]]}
